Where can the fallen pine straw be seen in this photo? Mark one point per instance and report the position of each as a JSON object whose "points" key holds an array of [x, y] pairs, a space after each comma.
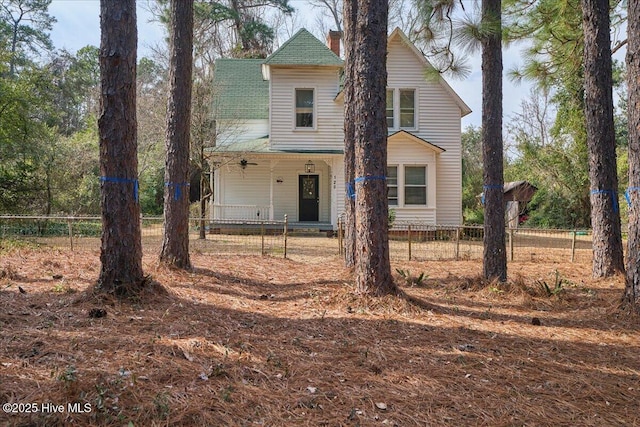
{"points": [[244, 340]]}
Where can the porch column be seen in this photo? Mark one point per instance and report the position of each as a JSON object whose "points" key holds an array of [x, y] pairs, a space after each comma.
{"points": [[217, 195], [212, 171], [272, 165]]}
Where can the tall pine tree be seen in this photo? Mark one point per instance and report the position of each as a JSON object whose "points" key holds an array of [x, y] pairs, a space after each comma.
{"points": [[601, 142], [632, 289], [369, 61], [175, 242], [121, 250]]}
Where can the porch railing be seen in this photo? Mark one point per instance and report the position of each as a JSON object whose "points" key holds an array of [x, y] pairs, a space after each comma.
{"points": [[241, 212]]}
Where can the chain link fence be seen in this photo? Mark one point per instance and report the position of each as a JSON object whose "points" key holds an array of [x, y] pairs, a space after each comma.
{"points": [[407, 241]]}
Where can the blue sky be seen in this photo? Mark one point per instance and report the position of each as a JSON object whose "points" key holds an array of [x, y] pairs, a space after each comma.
{"points": [[78, 25]]}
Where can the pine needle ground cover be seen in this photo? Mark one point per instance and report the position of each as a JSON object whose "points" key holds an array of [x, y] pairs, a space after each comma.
{"points": [[245, 341]]}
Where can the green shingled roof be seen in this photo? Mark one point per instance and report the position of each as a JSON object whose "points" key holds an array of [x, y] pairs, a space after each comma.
{"points": [[303, 49], [241, 92]]}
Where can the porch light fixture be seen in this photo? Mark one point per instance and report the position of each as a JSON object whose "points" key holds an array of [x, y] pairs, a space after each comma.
{"points": [[309, 167]]}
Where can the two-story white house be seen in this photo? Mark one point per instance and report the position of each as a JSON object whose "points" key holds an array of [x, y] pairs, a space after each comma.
{"points": [[281, 140]]}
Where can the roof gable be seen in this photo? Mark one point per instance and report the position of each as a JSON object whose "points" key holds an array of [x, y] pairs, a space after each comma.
{"points": [[240, 90], [304, 49], [403, 134], [397, 33]]}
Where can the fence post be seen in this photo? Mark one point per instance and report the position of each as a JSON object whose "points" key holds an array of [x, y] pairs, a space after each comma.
{"points": [[457, 242], [573, 246], [340, 249], [262, 237], [511, 235], [409, 235], [70, 224], [286, 231]]}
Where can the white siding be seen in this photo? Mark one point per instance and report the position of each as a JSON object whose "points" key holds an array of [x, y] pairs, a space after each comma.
{"points": [[285, 195], [338, 189], [237, 186], [328, 133], [251, 186], [438, 123], [403, 153], [238, 131]]}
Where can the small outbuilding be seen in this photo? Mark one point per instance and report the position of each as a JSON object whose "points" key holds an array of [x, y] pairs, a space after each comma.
{"points": [[516, 196]]}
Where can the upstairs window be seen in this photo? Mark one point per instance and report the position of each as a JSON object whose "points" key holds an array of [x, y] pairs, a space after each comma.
{"points": [[415, 185], [304, 108], [392, 185], [390, 113], [401, 109], [407, 108]]}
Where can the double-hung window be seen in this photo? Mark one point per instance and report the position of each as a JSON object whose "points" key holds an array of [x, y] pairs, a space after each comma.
{"points": [[304, 109], [407, 108], [392, 185], [401, 109], [415, 185], [390, 111]]}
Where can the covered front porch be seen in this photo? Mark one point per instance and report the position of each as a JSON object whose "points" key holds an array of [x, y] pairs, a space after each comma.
{"points": [[252, 187]]}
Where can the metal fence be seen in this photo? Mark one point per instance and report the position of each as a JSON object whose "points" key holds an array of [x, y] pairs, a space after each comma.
{"points": [[413, 241], [407, 241]]}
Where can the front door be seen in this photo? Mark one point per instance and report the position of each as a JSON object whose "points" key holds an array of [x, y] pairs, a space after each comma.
{"points": [[309, 198]]}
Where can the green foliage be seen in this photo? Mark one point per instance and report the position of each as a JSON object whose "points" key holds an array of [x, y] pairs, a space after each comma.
{"points": [[473, 216], [622, 154], [216, 23], [48, 137], [473, 212], [10, 244], [555, 163], [161, 403], [555, 288], [49, 227], [152, 191], [23, 138], [558, 163], [76, 186], [74, 84], [392, 217], [411, 280], [68, 376], [24, 30]]}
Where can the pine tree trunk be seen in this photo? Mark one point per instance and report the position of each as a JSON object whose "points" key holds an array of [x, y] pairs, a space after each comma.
{"points": [[632, 289], [350, 12], [121, 249], [495, 254], [373, 267], [175, 243], [601, 143]]}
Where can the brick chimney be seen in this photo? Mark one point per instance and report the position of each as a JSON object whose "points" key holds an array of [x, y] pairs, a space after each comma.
{"points": [[333, 41]]}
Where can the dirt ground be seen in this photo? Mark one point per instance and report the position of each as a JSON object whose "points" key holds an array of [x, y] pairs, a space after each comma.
{"points": [[263, 341]]}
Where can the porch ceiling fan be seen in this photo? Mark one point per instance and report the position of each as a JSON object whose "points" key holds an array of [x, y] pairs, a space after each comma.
{"points": [[244, 163]]}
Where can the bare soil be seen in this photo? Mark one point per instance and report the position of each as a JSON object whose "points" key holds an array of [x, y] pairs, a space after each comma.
{"points": [[249, 340]]}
